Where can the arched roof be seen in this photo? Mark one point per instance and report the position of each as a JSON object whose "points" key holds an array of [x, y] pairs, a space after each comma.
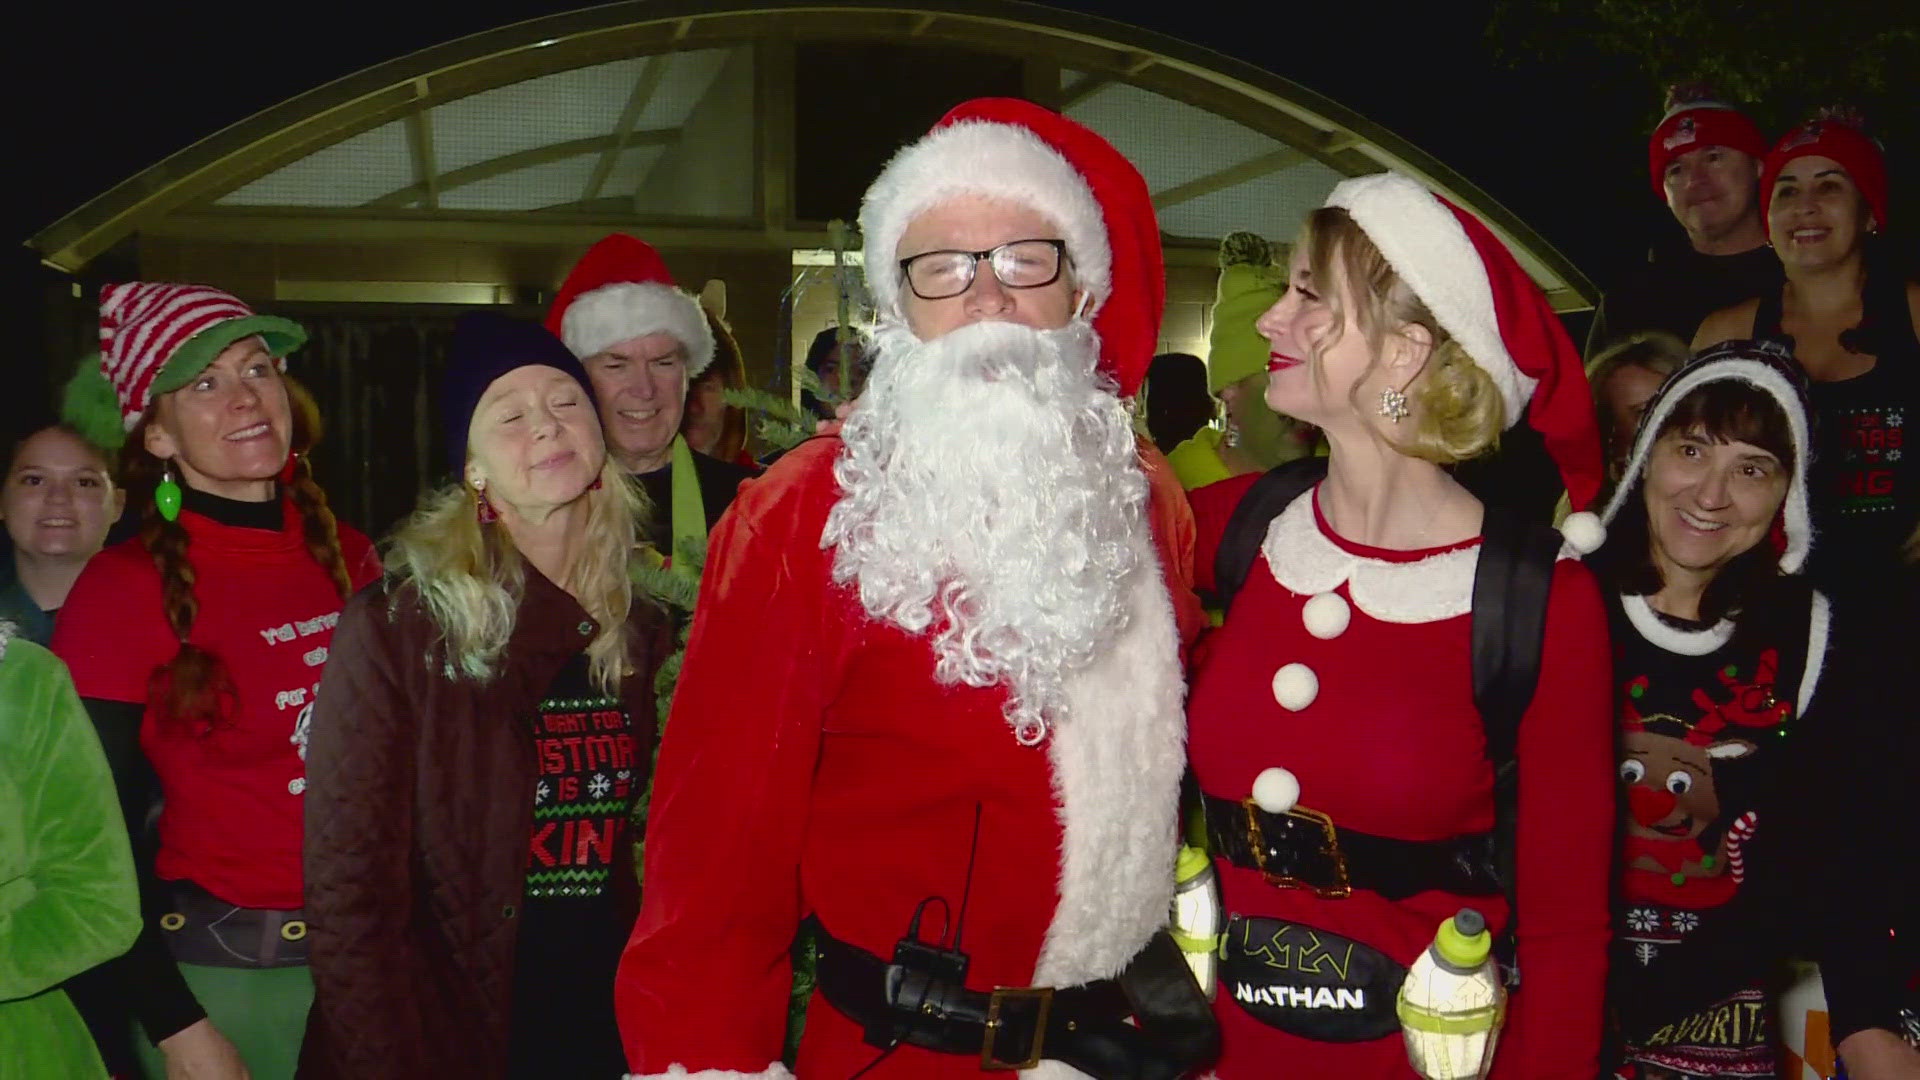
{"points": [[575, 124]]}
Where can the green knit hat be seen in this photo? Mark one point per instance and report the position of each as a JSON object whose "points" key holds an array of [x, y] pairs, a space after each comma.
{"points": [[1249, 285]]}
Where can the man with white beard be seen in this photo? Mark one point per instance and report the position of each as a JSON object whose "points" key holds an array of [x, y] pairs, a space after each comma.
{"points": [[932, 700]]}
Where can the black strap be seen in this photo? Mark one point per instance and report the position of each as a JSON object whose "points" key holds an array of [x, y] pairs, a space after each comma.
{"points": [[1247, 528], [1512, 581]]}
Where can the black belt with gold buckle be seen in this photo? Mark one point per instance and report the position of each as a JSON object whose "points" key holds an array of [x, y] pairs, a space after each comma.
{"points": [[1304, 849], [1009, 1028]]}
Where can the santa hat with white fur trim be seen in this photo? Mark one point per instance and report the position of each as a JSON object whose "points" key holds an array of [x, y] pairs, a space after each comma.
{"points": [[1767, 367], [620, 290], [1486, 302], [1015, 151]]}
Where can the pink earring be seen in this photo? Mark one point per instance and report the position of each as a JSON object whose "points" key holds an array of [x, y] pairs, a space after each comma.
{"points": [[483, 510]]}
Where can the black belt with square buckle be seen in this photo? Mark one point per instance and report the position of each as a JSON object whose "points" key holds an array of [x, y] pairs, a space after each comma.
{"points": [[1304, 849], [1010, 1028]]}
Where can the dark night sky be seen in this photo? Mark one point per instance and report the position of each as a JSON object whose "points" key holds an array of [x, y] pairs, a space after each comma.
{"points": [[100, 92]]}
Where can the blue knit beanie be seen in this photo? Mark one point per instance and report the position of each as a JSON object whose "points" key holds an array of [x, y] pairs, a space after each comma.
{"points": [[486, 346]]}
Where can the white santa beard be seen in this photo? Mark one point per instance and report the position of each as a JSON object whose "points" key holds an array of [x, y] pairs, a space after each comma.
{"points": [[991, 494]]}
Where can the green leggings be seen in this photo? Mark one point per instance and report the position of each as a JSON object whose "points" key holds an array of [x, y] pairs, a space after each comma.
{"points": [[262, 1011]]}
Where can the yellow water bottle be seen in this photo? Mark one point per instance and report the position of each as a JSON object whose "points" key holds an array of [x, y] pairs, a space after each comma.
{"points": [[1452, 1003]]}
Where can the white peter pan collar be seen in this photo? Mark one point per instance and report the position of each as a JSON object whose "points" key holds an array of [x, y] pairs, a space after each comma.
{"points": [[1308, 562]]}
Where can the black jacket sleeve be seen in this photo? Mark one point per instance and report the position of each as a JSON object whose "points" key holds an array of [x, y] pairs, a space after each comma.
{"points": [[144, 981]]}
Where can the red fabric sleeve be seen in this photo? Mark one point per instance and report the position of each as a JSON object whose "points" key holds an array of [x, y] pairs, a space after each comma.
{"points": [[1212, 509], [357, 552], [1171, 521], [705, 978], [112, 631], [1565, 842]]}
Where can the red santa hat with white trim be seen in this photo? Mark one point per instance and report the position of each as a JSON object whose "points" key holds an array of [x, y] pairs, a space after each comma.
{"points": [[1016, 151], [1487, 302], [620, 290]]}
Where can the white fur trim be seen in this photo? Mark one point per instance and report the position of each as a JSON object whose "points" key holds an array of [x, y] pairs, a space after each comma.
{"points": [[1663, 634], [998, 160], [1295, 686], [1583, 531], [1429, 249], [1819, 623], [776, 1071], [7, 631], [1117, 757], [1799, 526], [626, 310], [1303, 559]]}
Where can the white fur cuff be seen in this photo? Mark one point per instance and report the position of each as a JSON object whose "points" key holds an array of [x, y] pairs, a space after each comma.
{"points": [[775, 1071]]}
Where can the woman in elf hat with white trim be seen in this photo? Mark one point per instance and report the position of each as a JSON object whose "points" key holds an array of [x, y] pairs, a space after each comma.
{"points": [[1849, 316], [1758, 740], [197, 646], [1339, 684]]}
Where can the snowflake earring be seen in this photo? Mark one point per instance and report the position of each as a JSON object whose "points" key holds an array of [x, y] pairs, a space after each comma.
{"points": [[1393, 404]]}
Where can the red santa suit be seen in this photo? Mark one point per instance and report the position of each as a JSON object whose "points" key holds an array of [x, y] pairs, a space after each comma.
{"points": [[813, 765], [1351, 668]]}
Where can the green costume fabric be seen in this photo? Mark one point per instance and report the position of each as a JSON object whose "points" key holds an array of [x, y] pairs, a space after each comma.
{"points": [[1196, 462], [67, 894], [689, 508], [1249, 285], [262, 1011]]}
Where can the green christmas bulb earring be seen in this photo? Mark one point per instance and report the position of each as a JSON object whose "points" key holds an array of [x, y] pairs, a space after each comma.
{"points": [[166, 494]]}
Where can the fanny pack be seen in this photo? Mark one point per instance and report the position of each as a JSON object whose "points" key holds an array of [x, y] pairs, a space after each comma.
{"points": [[1309, 982], [200, 928]]}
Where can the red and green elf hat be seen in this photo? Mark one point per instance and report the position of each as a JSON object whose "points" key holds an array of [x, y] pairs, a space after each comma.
{"points": [[155, 337]]}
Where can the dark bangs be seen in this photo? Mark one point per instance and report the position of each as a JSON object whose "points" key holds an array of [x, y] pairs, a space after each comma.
{"points": [[1726, 411], [1733, 410]]}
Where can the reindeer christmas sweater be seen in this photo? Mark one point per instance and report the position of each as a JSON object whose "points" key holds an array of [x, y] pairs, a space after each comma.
{"points": [[1735, 760]]}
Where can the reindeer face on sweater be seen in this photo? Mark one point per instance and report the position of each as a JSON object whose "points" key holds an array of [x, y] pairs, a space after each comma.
{"points": [[1669, 778]]}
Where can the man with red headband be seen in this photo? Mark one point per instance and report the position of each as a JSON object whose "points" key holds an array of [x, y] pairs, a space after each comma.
{"points": [[959, 754], [1704, 161]]}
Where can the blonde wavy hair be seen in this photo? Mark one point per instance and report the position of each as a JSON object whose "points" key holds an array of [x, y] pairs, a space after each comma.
{"points": [[1457, 412], [470, 578]]}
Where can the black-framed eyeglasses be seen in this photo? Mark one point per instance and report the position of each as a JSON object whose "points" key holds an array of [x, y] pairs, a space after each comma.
{"points": [[1017, 264]]}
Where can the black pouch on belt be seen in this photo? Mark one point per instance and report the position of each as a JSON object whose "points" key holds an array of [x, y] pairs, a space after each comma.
{"points": [[1309, 982], [200, 928]]}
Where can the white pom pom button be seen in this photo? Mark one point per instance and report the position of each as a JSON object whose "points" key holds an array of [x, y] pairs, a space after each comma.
{"points": [[1276, 790], [1295, 686], [1327, 615]]}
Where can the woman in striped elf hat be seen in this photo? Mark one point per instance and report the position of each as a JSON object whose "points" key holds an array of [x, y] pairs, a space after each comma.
{"points": [[197, 646]]}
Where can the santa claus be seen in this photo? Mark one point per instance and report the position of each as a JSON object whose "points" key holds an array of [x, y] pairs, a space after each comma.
{"points": [[932, 699]]}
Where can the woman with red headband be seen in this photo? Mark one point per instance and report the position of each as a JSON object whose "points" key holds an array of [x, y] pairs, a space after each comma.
{"points": [[1849, 321]]}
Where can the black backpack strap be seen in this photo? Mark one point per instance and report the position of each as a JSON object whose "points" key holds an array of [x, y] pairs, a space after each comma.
{"points": [[1247, 528], [1512, 581]]}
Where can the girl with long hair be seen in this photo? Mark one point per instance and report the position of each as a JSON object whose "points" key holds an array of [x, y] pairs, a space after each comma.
{"points": [[483, 732], [57, 500], [197, 646]]}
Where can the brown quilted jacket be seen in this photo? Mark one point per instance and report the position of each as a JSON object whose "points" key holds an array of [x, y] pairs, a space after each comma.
{"points": [[418, 812]]}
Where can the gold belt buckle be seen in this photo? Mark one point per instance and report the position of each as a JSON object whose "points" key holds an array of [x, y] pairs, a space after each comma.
{"points": [[1257, 839], [1041, 994]]}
